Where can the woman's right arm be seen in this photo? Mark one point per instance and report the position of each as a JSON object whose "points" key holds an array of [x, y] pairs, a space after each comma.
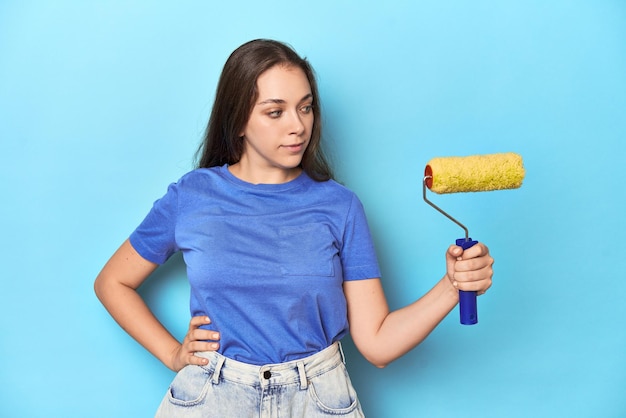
{"points": [[116, 287]]}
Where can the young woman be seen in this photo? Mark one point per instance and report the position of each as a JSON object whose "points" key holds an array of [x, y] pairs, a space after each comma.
{"points": [[279, 257]]}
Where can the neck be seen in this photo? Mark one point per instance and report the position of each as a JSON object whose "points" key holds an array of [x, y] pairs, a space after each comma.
{"points": [[273, 175]]}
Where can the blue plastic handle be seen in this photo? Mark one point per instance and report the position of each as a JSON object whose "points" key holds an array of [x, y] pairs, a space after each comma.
{"points": [[468, 308]]}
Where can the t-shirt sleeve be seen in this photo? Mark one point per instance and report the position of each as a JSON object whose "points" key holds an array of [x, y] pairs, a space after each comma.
{"points": [[358, 255], [155, 238]]}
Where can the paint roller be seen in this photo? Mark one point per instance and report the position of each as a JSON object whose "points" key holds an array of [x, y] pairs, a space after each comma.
{"points": [[477, 173]]}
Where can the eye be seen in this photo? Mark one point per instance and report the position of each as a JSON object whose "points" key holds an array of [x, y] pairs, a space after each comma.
{"points": [[275, 114], [306, 109]]}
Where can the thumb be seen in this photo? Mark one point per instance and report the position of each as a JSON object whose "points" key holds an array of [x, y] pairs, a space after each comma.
{"points": [[454, 252]]}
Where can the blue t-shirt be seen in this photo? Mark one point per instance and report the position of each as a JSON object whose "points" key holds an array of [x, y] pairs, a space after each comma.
{"points": [[265, 262]]}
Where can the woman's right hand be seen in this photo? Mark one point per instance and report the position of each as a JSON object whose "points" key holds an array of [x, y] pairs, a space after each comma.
{"points": [[196, 340]]}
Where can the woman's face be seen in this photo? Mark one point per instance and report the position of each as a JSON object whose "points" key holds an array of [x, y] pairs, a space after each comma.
{"points": [[280, 124]]}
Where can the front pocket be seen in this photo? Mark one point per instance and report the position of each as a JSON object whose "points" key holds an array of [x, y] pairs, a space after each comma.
{"points": [[189, 386], [307, 250], [333, 392]]}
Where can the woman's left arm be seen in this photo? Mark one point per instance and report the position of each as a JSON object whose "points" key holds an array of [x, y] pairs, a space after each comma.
{"points": [[383, 336]]}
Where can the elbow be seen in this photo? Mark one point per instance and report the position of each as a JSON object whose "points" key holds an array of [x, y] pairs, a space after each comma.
{"points": [[101, 287], [98, 288], [379, 362], [377, 355], [96, 285]]}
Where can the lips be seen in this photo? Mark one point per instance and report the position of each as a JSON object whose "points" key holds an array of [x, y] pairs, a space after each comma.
{"points": [[295, 147]]}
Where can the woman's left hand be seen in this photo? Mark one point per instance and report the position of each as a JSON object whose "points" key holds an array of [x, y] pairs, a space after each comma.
{"points": [[471, 269]]}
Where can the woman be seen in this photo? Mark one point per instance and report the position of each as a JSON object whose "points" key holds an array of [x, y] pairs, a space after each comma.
{"points": [[278, 255]]}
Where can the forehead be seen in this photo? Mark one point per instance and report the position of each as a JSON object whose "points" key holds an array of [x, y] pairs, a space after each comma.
{"points": [[283, 82]]}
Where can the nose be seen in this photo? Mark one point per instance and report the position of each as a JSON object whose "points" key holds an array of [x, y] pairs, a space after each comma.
{"points": [[296, 126]]}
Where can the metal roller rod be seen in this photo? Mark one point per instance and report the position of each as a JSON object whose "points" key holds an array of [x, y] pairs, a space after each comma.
{"points": [[441, 210]]}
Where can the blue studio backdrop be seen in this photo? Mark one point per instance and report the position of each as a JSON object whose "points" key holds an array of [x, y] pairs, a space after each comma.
{"points": [[103, 104]]}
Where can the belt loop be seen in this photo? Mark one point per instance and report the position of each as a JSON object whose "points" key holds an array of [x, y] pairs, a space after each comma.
{"points": [[303, 381], [343, 357], [218, 369]]}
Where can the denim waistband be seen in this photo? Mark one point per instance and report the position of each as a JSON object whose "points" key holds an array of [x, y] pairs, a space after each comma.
{"points": [[296, 371]]}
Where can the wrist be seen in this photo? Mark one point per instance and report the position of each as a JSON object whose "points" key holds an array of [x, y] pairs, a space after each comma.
{"points": [[449, 289], [171, 359]]}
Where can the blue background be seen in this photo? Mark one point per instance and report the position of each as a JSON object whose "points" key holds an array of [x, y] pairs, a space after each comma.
{"points": [[102, 104]]}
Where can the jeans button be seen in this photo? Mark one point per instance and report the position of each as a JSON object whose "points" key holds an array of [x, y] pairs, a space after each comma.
{"points": [[267, 374]]}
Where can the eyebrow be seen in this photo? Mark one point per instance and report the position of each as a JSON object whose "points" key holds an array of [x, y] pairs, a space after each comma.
{"points": [[281, 101]]}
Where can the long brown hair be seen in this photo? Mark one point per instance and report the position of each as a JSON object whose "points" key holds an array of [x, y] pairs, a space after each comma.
{"points": [[235, 97]]}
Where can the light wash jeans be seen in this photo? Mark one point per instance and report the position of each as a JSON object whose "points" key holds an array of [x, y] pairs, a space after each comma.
{"points": [[315, 386]]}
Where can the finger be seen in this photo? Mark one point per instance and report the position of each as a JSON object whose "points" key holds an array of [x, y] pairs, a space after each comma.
{"points": [[471, 264], [195, 347], [454, 252], [202, 334], [471, 281], [200, 346], [471, 271], [474, 280], [474, 251], [198, 360], [198, 321], [479, 286]]}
